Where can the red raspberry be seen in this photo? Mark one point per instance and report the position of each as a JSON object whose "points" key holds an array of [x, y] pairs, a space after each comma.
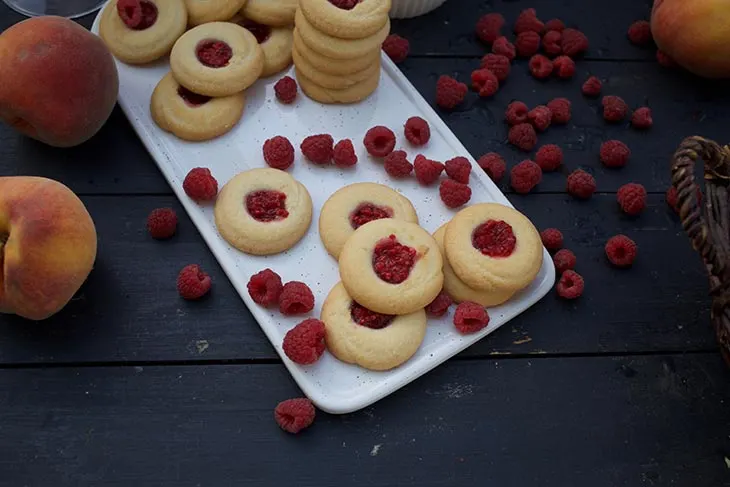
{"points": [[641, 118], [592, 87], [265, 287], [458, 169], [484, 82], [549, 157], [427, 171], [296, 298], [621, 251], [614, 153], [560, 108], [294, 415], [564, 67], [574, 42], [614, 108], [504, 47], [527, 21], [552, 238], [489, 27], [192, 282], [555, 24], [581, 184], [278, 152], [540, 117], [286, 90], [673, 199], [493, 165], [396, 47], [397, 165], [525, 176], [162, 223], [440, 305], [527, 43], [497, 64], [523, 136], [449, 92], [379, 141], [640, 33], [417, 131], [516, 113], [570, 285], [318, 148], [665, 59], [200, 185], [470, 317], [564, 260], [540, 66], [344, 154], [304, 344], [454, 194], [552, 43], [632, 198]]}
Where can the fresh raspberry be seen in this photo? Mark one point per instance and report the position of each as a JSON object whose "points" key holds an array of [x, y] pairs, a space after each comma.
{"points": [[516, 113], [304, 344], [592, 87], [632, 198], [555, 24], [318, 148], [200, 185], [454, 194], [397, 165], [552, 238], [525, 176], [458, 169], [417, 131], [379, 141], [449, 92], [540, 66], [497, 64], [523, 136], [614, 153], [278, 152], [574, 42], [162, 223], [570, 285], [621, 251], [286, 90], [564, 260], [192, 282], [564, 67], [552, 43], [540, 117], [440, 305], [427, 171], [641, 118], [484, 82], [504, 47], [396, 47], [673, 199], [343, 154], [581, 184], [549, 157], [527, 43], [665, 60], [294, 415], [614, 108], [640, 33], [265, 287], [295, 298], [527, 21], [560, 108], [493, 165], [489, 27], [470, 317]]}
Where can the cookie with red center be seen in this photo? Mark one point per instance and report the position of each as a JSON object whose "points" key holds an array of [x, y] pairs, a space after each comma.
{"points": [[276, 43], [211, 10], [346, 19], [279, 13]]}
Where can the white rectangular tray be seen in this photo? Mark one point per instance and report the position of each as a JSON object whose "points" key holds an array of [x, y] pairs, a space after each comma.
{"points": [[333, 386]]}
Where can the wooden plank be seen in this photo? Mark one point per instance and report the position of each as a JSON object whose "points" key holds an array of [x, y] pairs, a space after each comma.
{"points": [[585, 421]]}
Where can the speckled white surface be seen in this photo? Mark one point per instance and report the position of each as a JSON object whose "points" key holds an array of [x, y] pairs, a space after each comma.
{"points": [[333, 386]]}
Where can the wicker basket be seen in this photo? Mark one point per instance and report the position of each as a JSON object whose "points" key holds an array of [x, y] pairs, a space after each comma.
{"points": [[708, 227]]}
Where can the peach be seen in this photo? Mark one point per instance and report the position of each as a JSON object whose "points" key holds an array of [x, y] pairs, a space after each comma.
{"points": [[47, 246], [59, 81], [695, 33]]}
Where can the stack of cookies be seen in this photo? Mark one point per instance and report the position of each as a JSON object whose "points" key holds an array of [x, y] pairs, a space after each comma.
{"points": [[337, 48]]}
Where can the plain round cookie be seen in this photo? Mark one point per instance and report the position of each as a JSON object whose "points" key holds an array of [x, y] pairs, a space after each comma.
{"points": [[332, 81], [423, 283], [332, 66], [373, 349], [334, 218], [271, 12], [241, 230], [241, 71], [277, 46], [352, 94], [143, 46], [479, 271], [204, 11], [460, 292], [364, 19]]}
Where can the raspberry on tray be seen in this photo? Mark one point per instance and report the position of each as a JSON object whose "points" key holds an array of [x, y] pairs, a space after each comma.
{"points": [[278, 152], [379, 141], [427, 171], [296, 298], [304, 344], [417, 131], [344, 154], [318, 149]]}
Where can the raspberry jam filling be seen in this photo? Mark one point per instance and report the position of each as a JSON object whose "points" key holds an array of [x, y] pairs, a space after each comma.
{"points": [[370, 319], [266, 205], [260, 31], [494, 238], [192, 99], [137, 14], [367, 212], [345, 4], [214, 54], [393, 261]]}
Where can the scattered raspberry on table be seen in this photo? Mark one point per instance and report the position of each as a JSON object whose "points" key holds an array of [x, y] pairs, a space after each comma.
{"points": [[458, 169], [641, 118], [525, 176], [265, 287], [563, 260], [549, 157], [278, 152], [200, 185], [343, 153], [162, 223], [631, 198], [527, 44], [615, 108], [570, 285], [470, 317], [527, 21], [304, 344], [396, 47], [621, 251], [523, 136], [516, 113], [192, 282], [449, 92], [540, 66], [484, 82], [454, 194], [581, 184], [296, 298], [504, 47], [552, 43], [564, 67], [540, 117], [286, 90], [592, 87], [494, 165], [294, 415], [489, 27], [640, 33], [614, 153], [552, 238], [574, 42], [665, 59], [561, 110], [498, 64]]}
